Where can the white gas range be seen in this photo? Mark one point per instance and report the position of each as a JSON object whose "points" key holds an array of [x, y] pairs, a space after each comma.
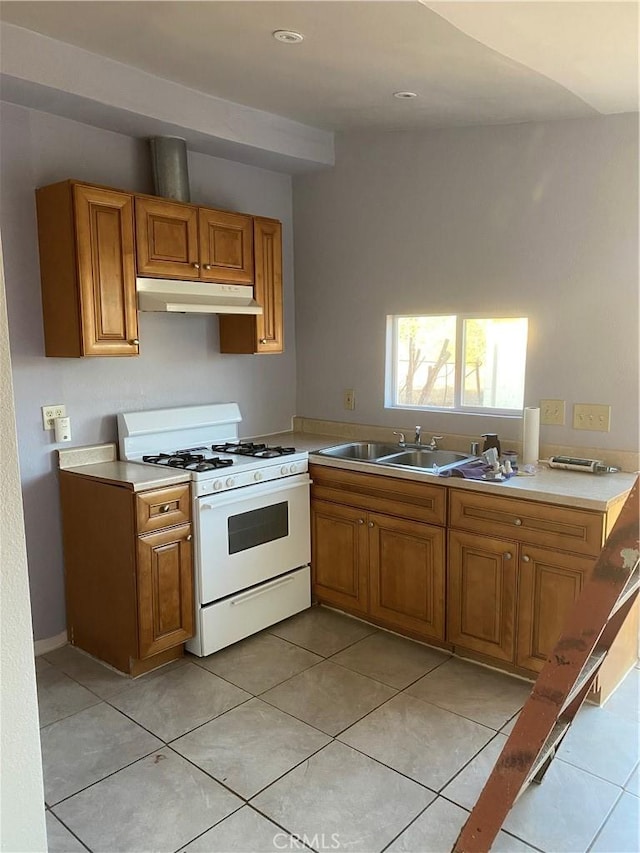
{"points": [[250, 517]]}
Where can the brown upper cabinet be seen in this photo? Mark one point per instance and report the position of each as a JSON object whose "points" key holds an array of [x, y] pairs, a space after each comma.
{"points": [[87, 268], [262, 333], [181, 241], [90, 238]]}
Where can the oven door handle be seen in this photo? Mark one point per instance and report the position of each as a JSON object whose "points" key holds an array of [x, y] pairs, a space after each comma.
{"points": [[243, 494], [264, 588]]}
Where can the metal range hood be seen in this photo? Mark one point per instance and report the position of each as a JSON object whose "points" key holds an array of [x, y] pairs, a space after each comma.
{"points": [[195, 297]]}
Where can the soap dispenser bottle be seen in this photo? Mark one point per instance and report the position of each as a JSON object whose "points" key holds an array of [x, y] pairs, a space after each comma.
{"points": [[491, 440]]}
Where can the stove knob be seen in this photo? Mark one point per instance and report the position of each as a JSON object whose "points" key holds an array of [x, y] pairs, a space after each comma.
{"points": [[230, 482], [257, 476], [217, 485], [293, 469], [284, 470]]}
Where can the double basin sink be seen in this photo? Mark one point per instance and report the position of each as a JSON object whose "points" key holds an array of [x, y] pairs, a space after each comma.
{"points": [[421, 458]]}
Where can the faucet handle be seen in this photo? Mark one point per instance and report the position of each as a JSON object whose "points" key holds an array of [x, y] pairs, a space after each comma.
{"points": [[434, 441], [402, 439]]}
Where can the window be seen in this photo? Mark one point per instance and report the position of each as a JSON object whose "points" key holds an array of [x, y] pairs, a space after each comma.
{"points": [[456, 363]]}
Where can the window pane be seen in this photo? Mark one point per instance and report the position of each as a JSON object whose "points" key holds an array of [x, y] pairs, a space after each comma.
{"points": [[494, 363], [425, 361]]}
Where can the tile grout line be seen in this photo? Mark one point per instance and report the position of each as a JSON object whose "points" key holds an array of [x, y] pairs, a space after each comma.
{"points": [[69, 830]]}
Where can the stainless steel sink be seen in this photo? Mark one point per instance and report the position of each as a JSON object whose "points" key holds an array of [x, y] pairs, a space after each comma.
{"points": [[363, 451], [393, 455], [426, 459]]}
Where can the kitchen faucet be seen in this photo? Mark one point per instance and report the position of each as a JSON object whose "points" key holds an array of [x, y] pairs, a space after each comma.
{"points": [[417, 442]]}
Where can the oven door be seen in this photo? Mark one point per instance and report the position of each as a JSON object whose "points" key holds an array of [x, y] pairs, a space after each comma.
{"points": [[248, 535]]}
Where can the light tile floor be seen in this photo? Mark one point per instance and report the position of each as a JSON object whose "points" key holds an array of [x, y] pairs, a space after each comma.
{"points": [[324, 729]]}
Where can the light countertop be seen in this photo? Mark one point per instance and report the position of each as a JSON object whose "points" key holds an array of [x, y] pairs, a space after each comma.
{"points": [[597, 492], [99, 462], [566, 488], [138, 478]]}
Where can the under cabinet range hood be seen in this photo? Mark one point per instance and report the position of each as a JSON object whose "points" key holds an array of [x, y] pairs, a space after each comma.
{"points": [[195, 297]]}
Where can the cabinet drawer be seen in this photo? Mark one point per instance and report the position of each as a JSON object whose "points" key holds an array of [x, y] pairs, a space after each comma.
{"points": [[409, 499], [579, 531], [162, 508]]}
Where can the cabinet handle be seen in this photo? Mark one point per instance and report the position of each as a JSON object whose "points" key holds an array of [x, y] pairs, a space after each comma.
{"points": [[263, 340], [361, 521], [518, 522], [526, 559], [165, 508], [196, 266], [206, 266], [135, 342], [507, 555], [189, 538], [371, 524]]}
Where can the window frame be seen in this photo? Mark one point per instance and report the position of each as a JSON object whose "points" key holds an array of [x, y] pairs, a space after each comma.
{"points": [[392, 380]]}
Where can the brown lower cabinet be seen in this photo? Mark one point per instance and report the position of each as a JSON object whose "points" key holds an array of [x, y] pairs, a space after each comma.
{"points": [[128, 571], [378, 565], [508, 601], [481, 598], [513, 567], [549, 584]]}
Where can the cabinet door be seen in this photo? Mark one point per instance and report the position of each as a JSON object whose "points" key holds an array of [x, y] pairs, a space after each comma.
{"points": [[106, 271], [406, 561], [267, 235], [550, 582], [339, 555], [482, 594], [167, 239], [165, 590], [226, 246], [262, 333]]}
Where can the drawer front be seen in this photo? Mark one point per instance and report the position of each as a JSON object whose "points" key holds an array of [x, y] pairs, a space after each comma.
{"points": [[575, 530], [225, 622], [163, 508], [409, 499]]}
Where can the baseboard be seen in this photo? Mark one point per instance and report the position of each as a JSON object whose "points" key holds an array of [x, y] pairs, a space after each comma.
{"points": [[41, 647]]}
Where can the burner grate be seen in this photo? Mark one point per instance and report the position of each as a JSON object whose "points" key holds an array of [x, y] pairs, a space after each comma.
{"points": [[188, 460], [248, 448]]}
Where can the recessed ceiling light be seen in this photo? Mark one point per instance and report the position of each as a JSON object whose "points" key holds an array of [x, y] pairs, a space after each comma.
{"points": [[288, 36], [405, 95]]}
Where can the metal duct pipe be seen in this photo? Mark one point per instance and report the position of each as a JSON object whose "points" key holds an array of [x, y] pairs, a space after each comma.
{"points": [[170, 170]]}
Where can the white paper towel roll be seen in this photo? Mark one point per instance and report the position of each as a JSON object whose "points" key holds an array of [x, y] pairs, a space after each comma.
{"points": [[531, 435]]}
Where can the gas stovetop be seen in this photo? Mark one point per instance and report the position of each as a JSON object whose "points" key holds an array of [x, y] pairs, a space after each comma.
{"points": [[209, 447]]}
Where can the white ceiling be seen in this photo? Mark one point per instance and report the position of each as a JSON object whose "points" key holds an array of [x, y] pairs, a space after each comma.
{"points": [[470, 62]]}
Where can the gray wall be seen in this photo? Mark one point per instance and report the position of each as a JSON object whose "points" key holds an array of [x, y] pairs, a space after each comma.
{"points": [[179, 362], [540, 219]]}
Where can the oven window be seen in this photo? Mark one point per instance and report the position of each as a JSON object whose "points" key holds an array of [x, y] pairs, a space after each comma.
{"points": [[257, 527]]}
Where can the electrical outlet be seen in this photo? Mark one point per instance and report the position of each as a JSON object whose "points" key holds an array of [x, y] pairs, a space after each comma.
{"points": [[50, 413], [350, 399], [552, 412], [593, 416]]}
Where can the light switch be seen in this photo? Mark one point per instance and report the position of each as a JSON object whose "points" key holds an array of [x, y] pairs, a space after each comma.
{"points": [[552, 412], [594, 416]]}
